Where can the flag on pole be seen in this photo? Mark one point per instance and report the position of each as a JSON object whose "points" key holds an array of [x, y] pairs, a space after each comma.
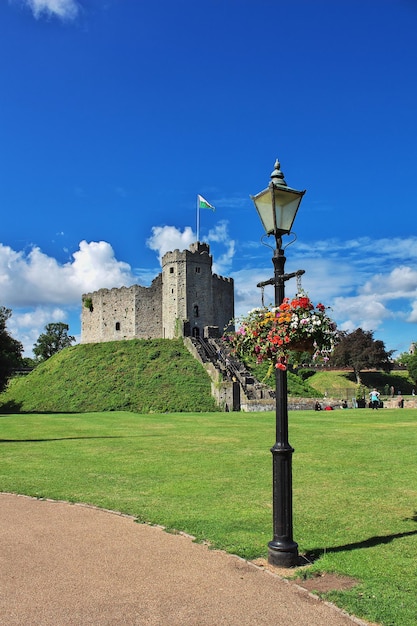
{"points": [[203, 204]]}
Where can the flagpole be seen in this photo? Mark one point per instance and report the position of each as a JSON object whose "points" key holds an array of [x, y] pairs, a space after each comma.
{"points": [[198, 219]]}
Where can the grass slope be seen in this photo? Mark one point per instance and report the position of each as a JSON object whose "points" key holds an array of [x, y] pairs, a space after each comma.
{"points": [[156, 375]]}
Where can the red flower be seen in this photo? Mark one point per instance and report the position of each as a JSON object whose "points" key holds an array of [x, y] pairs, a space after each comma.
{"points": [[305, 303], [281, 364]]}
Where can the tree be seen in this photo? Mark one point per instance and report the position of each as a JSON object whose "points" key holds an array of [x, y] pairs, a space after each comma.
{"points": [[412, 367], [410, 361], [360, 351], [10, 349], [52, 341]]}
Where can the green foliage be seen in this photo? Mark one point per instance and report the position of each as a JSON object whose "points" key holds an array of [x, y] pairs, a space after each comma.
{"points": [[146, 376], [299, 388], [305, 373], [400, 380], [55, 338], [10, 349], [27, 361], [209, 474], [88, 303], [360, 392], [412, 368], [410, 362]]}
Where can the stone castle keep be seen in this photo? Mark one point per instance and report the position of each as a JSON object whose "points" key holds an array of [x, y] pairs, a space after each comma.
{"points": [[185, 300]]}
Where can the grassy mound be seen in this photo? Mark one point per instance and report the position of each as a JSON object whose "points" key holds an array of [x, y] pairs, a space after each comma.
{"points": [[156, 375]]}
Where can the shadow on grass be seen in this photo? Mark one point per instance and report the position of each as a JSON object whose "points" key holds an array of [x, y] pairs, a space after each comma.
{"points": [[316, 553], [65, 439], [10, 407]]}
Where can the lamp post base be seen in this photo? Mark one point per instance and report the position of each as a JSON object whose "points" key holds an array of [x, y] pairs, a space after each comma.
{"points": [[283, 553]]}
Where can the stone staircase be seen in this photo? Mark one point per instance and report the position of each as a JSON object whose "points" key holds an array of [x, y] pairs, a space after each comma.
{"points": [[233, 387]]}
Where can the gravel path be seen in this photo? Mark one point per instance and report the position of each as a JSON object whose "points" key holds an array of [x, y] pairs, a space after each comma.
{"points": [[63, 565]]}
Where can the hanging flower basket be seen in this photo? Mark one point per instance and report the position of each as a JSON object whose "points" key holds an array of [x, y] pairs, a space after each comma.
{"points": [[270, 334]]}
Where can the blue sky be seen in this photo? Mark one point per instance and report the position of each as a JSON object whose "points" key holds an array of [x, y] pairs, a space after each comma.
{"points": [[115, 114]]}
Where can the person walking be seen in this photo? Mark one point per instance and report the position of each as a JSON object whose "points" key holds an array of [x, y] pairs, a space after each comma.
{"points": [[374, 399]]}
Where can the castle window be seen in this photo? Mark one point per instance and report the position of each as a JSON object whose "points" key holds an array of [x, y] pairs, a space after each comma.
{"points": [[195, 310], [117, 325], [171, 270], [197, 270]]}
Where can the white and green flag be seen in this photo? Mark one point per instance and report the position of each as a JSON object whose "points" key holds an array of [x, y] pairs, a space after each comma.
{"points": [[203, 204]]}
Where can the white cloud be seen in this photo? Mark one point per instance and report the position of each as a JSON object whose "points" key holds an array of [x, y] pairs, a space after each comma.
{"points": [[394, 248], [220, 234], [95, 266], [34, 279], [401, 282], [366, 312], [167, 238], [413, 315], [63, 9]]}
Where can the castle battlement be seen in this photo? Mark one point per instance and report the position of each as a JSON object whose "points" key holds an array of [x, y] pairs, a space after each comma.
{"points": [[223, 278], [200, 254]]}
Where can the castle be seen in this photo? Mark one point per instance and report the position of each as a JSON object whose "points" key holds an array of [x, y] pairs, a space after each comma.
{"points": [[185, 300]]}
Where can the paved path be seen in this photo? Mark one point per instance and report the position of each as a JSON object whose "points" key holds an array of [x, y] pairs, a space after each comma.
{"points": [[65, 565]]}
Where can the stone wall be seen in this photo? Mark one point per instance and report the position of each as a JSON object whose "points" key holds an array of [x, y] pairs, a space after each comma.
{"points": [[223, 301], [123, 313]]}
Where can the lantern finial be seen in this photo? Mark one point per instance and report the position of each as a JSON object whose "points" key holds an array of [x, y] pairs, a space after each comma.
{"points": [[277, 176]]}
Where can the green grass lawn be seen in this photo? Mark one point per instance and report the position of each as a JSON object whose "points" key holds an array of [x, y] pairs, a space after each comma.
{"points": [[209, 474]]}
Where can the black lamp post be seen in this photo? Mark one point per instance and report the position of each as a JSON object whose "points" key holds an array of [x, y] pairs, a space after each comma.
{"points": [[277, 207]]}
